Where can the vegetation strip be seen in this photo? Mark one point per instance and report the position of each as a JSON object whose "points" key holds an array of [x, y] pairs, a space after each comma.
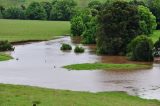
{"points": [[4, 57], [99, 66], [31, 30], [14, 95]]}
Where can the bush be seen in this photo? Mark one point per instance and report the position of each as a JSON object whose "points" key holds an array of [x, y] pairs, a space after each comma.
{"points": [[35, 11], [79, 49], [141, 49], [14, 13], [6, 46], [66, 47]]}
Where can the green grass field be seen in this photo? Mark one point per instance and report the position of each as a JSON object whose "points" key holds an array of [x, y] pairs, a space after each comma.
{"points": [[98, 66], [4, 57], [25, 30], [14, 95]]}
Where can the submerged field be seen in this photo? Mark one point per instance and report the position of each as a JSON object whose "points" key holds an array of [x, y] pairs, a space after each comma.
{"points": [[4, 57], [103, 66], [14, 95], [24, 30]]}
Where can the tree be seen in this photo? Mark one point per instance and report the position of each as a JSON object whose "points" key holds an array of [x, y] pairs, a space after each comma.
{"points": [[95, 5], [137, 2], [118, 24], [77, 26], [154, 6], [141, 49], [62, 10], [89, 35], [1, 16], [147, 20], [14, 13], [36, 12], [48, 7]]}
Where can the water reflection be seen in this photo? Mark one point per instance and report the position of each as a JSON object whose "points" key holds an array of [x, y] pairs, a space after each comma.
{"points": [[40, 64]]}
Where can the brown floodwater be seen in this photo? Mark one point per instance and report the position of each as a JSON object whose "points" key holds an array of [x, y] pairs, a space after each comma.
{"points": [[40, 64]]}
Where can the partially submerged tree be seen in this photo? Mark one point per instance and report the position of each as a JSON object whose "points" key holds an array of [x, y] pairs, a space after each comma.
{"points": [[118, 25], [141, 49], [77, 26]]}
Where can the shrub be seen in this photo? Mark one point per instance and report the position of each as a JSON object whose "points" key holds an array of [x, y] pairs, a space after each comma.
{"points": [[6, 46], [35, 11], [66, 47], [141, 49], [79, 49]]}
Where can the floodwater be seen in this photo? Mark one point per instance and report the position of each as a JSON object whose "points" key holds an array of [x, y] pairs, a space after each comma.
{"points": [[40, 64]]}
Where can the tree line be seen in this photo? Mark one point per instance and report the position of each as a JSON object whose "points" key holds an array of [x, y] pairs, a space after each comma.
{"points": [[55, 10], [119, 27]]}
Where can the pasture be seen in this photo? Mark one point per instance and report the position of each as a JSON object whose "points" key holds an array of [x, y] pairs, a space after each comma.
{"points": [[29, 30]]}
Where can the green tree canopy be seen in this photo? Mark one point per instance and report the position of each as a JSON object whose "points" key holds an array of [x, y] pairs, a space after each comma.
{"points": [[147, 20], [141, 49], [118, 25], [35, 11], [62, 10], [48, 7], [14, 13], [154, 6], [77, 26]]}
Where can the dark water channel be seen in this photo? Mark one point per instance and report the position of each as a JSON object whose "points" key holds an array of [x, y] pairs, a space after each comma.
{"points": [[40, 64]]}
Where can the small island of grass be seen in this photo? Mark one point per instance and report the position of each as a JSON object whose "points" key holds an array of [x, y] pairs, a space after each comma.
{"points": [[101, 66], [4, 57]]}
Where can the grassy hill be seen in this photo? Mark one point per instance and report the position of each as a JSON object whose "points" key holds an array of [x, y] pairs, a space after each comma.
{"points": [[25, 30]]}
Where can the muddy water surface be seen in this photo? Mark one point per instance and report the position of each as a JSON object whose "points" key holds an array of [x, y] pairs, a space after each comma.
{"points": [[40, 64]]}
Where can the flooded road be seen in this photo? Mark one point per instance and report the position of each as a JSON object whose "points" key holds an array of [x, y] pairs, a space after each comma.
{"points": [[40, 64]]}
